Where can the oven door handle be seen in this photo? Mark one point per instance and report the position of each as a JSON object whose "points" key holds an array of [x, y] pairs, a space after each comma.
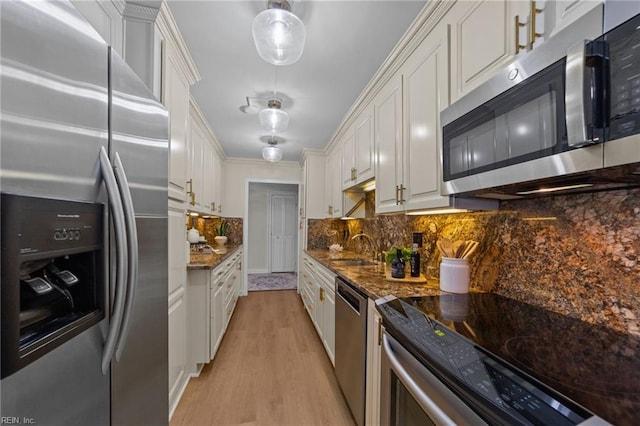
{"points": [[431, 408], [117, 214]]}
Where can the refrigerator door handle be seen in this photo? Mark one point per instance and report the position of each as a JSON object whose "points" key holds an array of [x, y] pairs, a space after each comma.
{"points": [[115, 204], [132, 250]]}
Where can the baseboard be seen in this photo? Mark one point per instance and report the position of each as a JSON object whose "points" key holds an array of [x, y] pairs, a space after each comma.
{"points": [[178, 397], [257, 271]]}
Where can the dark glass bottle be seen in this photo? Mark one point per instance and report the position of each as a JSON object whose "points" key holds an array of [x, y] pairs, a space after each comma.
{"points": [[397, 265], [414, 261]]}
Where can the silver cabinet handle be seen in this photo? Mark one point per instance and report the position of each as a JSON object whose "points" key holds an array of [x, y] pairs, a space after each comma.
{"points": [[132, 250], [117, 214], [430, 407]]}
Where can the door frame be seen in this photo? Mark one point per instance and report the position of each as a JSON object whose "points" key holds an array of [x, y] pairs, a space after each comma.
{"points": [[245, 223]]}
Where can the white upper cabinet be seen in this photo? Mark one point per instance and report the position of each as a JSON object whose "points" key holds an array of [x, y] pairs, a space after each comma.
{"points": [[349, 160], [315, 205], [564, 12], [425, 93], [388, 146], [204, 171], [364, 145], [358, 150], [483, 40], [333, 183], [408, 134]]}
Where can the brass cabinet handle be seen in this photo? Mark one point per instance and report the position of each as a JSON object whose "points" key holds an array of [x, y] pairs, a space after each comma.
{"points": [[533, 34], [354, 172], [397, 192], [379, 331], [213, 206], [321, 294], [519, 25], [192, 195], [330, 209], [402, 188]]}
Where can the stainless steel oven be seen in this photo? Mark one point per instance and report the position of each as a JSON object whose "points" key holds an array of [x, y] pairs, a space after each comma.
{"points": [[411, 395], [432, 373]]}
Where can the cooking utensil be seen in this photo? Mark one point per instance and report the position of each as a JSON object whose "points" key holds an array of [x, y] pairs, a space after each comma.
{"points": [[471, 248], [458, 248], [447, 247]]}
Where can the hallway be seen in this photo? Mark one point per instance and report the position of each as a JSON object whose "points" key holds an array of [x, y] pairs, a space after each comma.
{"points": [[271, 369]]}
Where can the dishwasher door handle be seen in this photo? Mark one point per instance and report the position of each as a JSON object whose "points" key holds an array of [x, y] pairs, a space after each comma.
{"points": [[349, 298], [428, 405]]}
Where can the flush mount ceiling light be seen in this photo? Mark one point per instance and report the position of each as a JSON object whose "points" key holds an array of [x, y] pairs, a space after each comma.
{"points": [[273, 118], [272, 153], [278, 34]]}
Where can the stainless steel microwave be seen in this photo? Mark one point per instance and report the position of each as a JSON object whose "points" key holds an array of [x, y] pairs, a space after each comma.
{"points": [[564, 117]]}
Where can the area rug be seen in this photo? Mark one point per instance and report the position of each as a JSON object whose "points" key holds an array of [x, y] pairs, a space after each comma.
{"points": [[277, 281]]}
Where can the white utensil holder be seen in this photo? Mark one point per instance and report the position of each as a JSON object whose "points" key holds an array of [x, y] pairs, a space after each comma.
{"points": [[454, 275]]}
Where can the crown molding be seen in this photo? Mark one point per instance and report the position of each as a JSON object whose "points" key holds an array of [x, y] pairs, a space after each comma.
{"points": [[171, 33], [138, 10], [308, 152]]}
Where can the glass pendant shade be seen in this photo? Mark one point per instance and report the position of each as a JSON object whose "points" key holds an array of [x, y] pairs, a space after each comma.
{"points": [[273, 119], [279, 35], [272, 153]]}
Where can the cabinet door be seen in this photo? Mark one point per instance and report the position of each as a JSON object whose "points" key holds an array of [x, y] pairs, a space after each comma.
{"points": [[333, 181], [482, 41], [175, 98], [348, 159], [330, 321], [217, 317], [388, 145], [564, 12], [216, 165], [364, 149], [207, 176], [318, 313], [426, 84], [196, 165]]}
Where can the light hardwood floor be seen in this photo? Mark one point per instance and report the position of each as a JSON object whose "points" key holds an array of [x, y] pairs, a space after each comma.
{"points": [[271, 369]]}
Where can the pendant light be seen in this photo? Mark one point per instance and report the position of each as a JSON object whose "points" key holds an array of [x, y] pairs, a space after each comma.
{"points": [[272, 118], [278, 34], [272, 153]]}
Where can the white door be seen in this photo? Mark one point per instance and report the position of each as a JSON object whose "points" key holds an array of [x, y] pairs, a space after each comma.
{"points": [[284, 228]]}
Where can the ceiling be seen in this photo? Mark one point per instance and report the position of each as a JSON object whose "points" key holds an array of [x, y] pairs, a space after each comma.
{"points": [[347, 41]]}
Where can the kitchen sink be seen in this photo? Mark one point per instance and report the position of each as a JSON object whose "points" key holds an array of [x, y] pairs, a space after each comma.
{"points": [[352, 262]]}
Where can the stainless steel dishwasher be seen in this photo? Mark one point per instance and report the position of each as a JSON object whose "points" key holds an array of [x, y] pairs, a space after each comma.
{"points": [[351, 346]]}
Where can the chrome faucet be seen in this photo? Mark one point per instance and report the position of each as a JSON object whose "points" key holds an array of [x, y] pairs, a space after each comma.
{"points": [[372, 244]]}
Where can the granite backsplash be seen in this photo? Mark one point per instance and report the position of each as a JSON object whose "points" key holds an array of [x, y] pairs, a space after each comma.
{"points": [[207, 227], [575, 254]]}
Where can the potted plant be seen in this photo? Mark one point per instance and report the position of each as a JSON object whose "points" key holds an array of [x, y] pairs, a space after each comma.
{"points": [[221, 238]]}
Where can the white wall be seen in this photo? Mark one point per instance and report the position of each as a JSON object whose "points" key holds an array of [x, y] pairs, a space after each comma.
{"points": [[237, 171], [259, 222]]}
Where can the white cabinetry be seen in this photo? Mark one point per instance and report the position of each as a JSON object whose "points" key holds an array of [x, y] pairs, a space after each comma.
{"points": [[204, 169], [314, 185], [358, 149], [333, 183], [483, 39], [318, 296], [211, 297], [564, 12], [408, 134], [374, 350]]}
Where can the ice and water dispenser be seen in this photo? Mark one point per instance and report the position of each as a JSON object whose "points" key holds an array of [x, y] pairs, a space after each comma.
{"points": [[52, 275]]}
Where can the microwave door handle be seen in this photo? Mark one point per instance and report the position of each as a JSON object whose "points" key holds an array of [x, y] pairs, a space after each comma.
{"points": [[432, 409], [574, 96], [132, 250], [117, 215]]}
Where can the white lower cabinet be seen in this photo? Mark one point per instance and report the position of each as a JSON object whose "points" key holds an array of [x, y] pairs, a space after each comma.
{"points": [[374, 350], [317, 291], [211, 299]]}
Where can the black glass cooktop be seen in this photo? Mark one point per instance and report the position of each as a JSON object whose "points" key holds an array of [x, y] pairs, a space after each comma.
{"points": [[569, 360]]}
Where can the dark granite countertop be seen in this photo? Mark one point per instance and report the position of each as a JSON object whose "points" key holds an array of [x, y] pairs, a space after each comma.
{"points": [[209, 260], [371, 279]]}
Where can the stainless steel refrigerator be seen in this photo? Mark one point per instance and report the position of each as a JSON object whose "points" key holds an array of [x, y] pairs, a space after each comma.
{"points": [[83, 177]]}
